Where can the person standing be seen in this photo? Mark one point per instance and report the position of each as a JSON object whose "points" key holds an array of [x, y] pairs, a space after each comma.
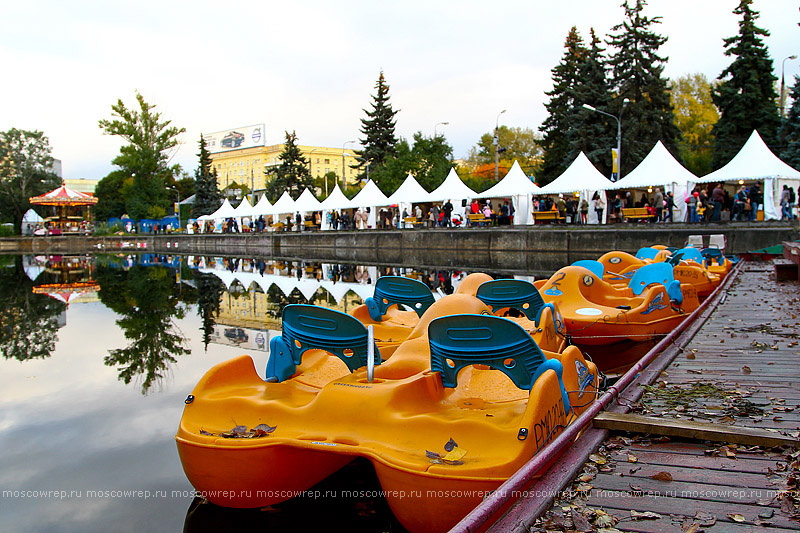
{"points": [[756, 200], [669, 205], [718, 199], [599, 206], [659, 205], [448, 210]]}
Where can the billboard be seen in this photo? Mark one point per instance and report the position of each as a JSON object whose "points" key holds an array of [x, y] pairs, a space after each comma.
{"points": [[235, 139]]}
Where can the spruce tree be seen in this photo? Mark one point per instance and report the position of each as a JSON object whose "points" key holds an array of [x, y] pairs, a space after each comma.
{"points": [[207, 195], [592, 133], [561, 108], [636, 74], [790, 130], [292, 174], [746, 93], [378, 129]]}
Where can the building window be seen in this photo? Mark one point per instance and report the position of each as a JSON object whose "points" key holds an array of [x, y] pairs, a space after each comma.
{"points": [[327, 161]]}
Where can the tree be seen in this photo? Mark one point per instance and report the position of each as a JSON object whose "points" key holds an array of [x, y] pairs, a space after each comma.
{"points": [[745, 95], [292, 174], [429, 160], [636, 75], [695, 116], [145, 157], [26, 169], [207, 195], [790, 130], [516, 144], [111, 192], [379, 142]]}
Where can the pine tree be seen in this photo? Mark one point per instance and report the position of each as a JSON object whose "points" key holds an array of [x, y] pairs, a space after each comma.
{"points": [[636, 75], [592, 133], [790, 130], [746, 93], [379, 142], [292, 174], [561, 108], [207, 195]]}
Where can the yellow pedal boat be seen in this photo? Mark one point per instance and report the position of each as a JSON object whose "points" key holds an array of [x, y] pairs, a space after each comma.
{"points": [[458, 408]]}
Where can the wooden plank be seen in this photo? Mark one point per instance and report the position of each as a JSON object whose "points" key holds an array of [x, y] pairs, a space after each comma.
{"points": [[634, 471], [707, 462], [691, 430]]}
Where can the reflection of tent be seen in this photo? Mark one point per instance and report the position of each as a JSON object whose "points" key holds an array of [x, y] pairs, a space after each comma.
{"points": [[67, 292], [755, 161], [517, 186], [581, 177], [659, 169]]}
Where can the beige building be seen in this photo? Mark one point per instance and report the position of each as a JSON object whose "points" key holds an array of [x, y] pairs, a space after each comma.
{"points": [[246, 166]]}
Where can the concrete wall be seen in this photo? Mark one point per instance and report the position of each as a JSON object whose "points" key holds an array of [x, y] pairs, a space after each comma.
{"points": [[532, 249]]}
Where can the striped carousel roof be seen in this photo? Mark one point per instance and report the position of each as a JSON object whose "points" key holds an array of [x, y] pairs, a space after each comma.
{"points": [[64, 196]]}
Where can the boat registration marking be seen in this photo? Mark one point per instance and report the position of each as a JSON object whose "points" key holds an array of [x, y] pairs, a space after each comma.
{"points": [[588, 311], [323, 443]]}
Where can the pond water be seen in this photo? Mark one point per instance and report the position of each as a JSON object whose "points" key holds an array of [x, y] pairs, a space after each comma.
{"points": [[98, 355]]}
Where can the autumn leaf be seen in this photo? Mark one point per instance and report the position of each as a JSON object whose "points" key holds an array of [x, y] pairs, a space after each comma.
{"points": [[746, 369], [597, 458], [736, 517], [647, 515], [632, 458], [662, 476]]}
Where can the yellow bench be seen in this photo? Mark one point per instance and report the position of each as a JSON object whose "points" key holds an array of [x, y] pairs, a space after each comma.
{"points": [[310, 224], [412, 222], [478, 219], [638, 213], [547, 216]]}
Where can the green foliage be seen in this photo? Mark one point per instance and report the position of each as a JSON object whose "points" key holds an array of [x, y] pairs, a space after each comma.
{"points": [[428, 160], [25, 171], [28, 321], [695, 116], [6, 231], [292, 174], [111, 192], [637, 70], [146, 156], [790, 130], [746, 95], [208, 197], [380, 141], [148, 300], [516, 144], [209, 294]]}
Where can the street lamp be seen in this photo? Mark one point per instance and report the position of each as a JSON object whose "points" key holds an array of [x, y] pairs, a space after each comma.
{"points": [[497, 143], [437, 125], [783, 93], [344, 179], [619, 134]]}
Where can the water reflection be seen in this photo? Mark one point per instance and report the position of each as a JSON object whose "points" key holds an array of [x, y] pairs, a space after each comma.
{"points": [[28, 321]]}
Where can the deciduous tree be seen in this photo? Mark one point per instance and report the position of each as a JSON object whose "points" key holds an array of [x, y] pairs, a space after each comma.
{"points": [[695, 116]]}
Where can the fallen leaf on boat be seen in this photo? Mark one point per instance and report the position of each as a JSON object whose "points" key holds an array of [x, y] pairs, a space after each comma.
{"points": [[736, 517], [432, 455], [662, 476], [204, 432], [455, 454], [449, 445], [647, 515]]}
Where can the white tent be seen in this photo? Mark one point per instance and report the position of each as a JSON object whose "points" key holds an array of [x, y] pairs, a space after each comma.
{"points": [[582, 177], [262, 207], [336, 200], [225, 211], [408, 193], [517, 186], [453, 189], [243, 210], [30, 220], [284, 205], [370, 197], [660, 169], [755, 161], [306, 202]]}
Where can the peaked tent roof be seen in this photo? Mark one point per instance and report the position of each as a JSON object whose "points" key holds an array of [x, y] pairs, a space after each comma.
{"points": [[370, 196], [336, 200], [63, 196], [658, 168], [410, 191], [307, 202], [244, 209], [754, 161], [225, 211], [513, 184], [452, 188], [262, 206], [285, 204], [581, 175]]}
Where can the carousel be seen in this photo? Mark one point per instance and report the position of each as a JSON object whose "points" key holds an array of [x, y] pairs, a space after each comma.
{"points": [[69, 278], [72, 211]]}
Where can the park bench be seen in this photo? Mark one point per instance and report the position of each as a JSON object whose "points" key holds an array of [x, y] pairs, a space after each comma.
{"points": [[478, 219], [547, 216], [635, 213], [310, 224], [412, 222]]}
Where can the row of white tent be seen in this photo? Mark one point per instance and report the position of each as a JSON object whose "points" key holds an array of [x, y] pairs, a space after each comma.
{"points": [[754, 162]]}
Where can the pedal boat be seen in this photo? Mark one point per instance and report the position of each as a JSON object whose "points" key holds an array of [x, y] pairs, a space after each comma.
{"points": [[460, 406], [596, 312]]}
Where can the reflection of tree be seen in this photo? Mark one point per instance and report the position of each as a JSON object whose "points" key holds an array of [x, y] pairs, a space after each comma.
{"points": [[28, 322], [149, 301], [209, 293]]}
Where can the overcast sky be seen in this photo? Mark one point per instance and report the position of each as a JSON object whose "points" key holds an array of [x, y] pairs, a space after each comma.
{"points": [[311, 66]]}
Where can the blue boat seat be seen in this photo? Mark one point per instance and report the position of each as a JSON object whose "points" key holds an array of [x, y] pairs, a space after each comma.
{"points": [[457, 341], [307, 327], [390, 290], [657, 273], [690, 254], [516, 293], [647, 253], [713, 254], [595, 267]]}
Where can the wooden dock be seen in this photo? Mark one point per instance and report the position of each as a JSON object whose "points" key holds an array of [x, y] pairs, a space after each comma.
{"points": [[738, 369]]}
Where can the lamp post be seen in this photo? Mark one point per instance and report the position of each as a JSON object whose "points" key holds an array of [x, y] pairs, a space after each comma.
{"points": [[497, 143], [344, 179], [437, 125], [783, 93], [618, 175]]}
